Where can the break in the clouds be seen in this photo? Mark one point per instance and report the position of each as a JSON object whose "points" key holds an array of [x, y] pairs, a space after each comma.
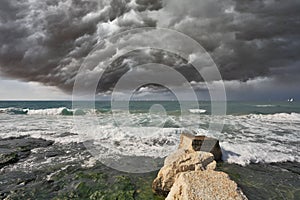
{"points": [[47, 41]]}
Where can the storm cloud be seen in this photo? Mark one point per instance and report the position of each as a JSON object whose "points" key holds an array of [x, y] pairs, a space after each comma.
{"points": [[47, 41]]}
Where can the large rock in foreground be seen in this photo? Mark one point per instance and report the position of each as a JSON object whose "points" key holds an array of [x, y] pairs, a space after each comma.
{"points": [[205, 185], [178, 162], [188, 173], [201, 143]]}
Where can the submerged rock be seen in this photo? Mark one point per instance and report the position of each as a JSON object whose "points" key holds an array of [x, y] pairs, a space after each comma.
{"points": [[205, 185]]}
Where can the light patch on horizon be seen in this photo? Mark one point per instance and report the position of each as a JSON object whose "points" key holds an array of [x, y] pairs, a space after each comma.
{"points": [[17, 90]]}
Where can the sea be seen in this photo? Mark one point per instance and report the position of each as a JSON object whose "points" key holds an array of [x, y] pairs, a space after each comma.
{"points": [[260, 141]]}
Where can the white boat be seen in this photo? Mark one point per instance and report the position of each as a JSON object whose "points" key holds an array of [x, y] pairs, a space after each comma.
{"points": [[290, 100]]}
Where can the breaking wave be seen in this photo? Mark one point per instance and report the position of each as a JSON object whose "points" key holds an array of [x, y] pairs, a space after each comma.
{"points": [[265, 106], [251, 138], [197, 111], [48, 111]]}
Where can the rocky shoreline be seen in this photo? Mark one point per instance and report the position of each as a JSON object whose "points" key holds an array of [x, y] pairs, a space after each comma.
{"points": [[35, 168], [14, 149], [188, 173], [38, 169]]}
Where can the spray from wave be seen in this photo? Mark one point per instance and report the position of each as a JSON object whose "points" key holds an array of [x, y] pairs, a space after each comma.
{"points": [[49, 111]]}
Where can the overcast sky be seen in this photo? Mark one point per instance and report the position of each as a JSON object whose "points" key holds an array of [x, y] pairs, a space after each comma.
{"points": [[254, 43]]}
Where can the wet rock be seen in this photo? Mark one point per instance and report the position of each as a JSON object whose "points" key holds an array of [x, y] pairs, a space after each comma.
{"points": [[98, 185], [53, 153], [117, 143], [178, 162], [65, 134], [7, 157], [24, 143], [205, 185], [266, 180], [14, 149], [192, 142], [12, 180], [159, 142], [64, 177]]}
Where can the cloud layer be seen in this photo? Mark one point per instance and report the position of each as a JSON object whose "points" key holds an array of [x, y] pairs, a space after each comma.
{"points": [[47, 41]]}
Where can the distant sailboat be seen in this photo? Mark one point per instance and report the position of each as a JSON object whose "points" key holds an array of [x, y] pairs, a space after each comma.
{"points": [[290, 100]]}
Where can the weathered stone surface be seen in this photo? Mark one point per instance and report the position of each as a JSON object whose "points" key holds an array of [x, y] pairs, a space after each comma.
{"points": [[7, 157], [188, 173], [13, 149], [181, 161], [191, 142], [205, 185]]}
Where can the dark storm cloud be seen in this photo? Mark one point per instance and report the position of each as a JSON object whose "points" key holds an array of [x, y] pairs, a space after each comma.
{"points": [[266, 36], [246, 38], [46, 41]]}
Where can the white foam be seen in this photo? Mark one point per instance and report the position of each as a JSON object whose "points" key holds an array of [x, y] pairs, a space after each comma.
{"points": [[265, 106], [250, 138], [133, 141], [50, 111], [262, 138], [197, 111], [49, 176], [247, 153], [91, 162]]}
